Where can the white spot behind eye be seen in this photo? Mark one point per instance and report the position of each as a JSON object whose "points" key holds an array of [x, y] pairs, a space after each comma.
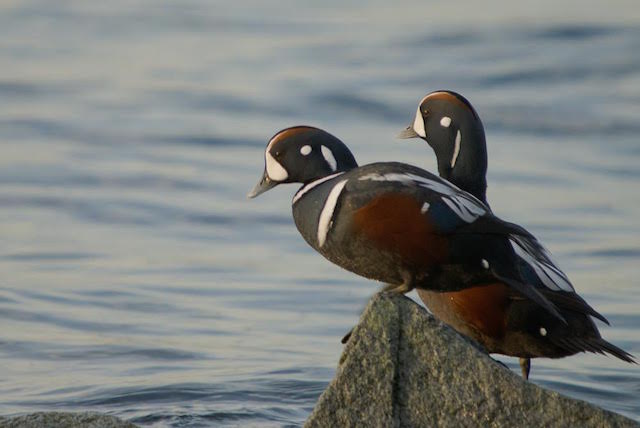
{"points": [[456, 149], [543, 331], [425, 208], [485, 264], [275, 171], [305, 150], [445, 121], [418, 124], [328, 156]]}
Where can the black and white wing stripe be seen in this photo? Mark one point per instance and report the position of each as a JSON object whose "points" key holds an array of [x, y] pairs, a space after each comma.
{"points": [[534, 255], [466, 206]]}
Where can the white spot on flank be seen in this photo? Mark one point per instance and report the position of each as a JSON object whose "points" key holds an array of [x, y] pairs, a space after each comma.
{"points": [[324, 224], [445, 121], [328, 156], [543, 331], [485, 264], [425, 207], [456, 149], [275, 171], [304, 189], [305, 150], [418, 124]]}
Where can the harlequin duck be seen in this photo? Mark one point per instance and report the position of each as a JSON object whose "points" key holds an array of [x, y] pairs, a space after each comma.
{"points": [[406, 227], [502, 321]]}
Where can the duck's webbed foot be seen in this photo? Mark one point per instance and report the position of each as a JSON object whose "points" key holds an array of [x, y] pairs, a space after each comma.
{"points": [[501, 363], [346, 337]]}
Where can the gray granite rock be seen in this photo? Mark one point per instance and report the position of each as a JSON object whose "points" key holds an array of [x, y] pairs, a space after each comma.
{"points": [[404, 368], [64, 420]]}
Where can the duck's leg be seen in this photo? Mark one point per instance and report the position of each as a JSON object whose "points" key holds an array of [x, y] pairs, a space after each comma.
{"points": [[407, 285], [525, 365], [397, 288]]}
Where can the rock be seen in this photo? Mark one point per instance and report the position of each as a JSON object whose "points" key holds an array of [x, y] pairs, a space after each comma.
{"points": [[404, 368], [64, 420]]}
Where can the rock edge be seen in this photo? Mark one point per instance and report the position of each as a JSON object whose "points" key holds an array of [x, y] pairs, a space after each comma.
{"points": [[402, 367], [64, 420]]}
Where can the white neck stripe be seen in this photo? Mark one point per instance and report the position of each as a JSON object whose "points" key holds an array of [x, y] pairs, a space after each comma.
{"points": [[304, 189], [325, 222]]}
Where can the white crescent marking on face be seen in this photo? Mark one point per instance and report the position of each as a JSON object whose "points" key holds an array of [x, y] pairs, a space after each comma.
{"points": [[305, 150], [456, 149], [418, 124], [324, 224], [445, 121], [328, 156], [275, 171]]}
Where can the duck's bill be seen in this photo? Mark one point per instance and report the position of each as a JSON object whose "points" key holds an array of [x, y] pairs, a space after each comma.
{"points": [[408, 132], [263, 185]]}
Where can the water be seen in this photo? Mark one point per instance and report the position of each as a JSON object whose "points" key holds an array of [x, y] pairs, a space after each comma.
{"points": [[136, 279]]}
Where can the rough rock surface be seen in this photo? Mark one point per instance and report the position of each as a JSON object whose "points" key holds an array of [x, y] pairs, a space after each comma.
{"points": [[404, 368], [64, 420]]}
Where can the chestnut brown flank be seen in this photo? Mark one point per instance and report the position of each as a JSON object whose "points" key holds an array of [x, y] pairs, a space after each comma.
{"points": [[483, 307], [393, 222]]}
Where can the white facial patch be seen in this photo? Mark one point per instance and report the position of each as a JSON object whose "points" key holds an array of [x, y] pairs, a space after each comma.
{"points": [[418, 124], [305, 150], [425, 208], [445, 122], [543, 331], [328, 156], [456, 149], [485, 264], [275, 171], [325, 222]]}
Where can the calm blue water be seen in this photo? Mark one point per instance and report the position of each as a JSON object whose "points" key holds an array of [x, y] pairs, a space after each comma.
{"points": [[136, 279]]}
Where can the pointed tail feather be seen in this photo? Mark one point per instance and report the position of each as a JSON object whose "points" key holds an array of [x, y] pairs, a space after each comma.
{"points": [[597, 345], [572, 302]]}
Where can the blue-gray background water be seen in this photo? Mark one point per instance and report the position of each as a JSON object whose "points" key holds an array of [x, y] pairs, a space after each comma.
{"points": [[136, 279]]}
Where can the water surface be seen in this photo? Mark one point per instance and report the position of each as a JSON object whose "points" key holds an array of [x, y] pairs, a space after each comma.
{"points": [[136, 279]]}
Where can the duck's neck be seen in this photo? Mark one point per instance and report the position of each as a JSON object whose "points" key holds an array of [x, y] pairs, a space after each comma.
{"points": [[469, 171]]}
